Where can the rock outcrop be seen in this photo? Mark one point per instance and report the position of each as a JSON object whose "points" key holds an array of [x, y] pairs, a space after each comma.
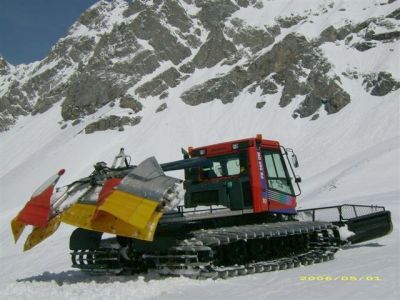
{"points": [[289, 62], [111, 122], [380, 84]]}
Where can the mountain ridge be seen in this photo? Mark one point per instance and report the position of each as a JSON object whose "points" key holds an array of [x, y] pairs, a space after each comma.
{"points": [[114, 45]]}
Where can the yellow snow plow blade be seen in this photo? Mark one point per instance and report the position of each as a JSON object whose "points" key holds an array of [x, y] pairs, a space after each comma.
{"points": [[110, 220], [39, 234], [132, 209], [130, 204], [17, 228], [79, 215], [105, 222]]}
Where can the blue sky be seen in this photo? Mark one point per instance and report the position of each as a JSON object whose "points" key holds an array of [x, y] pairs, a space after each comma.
{"points": [[29, 28]]}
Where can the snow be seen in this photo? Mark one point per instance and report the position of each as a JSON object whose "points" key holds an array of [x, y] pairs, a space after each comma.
{"points": [[190, 8], [345, 233], [320, 13], [380, 58], [349, 157]]}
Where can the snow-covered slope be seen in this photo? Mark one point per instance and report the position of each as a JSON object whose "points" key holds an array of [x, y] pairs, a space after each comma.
{"points": [[344, 159], [351, 156]]}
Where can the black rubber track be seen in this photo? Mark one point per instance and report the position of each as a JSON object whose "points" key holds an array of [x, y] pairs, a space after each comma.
{"points": [[225, 252]]}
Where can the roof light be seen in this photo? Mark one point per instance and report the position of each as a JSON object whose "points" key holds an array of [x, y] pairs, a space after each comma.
{"points": [[259, 137], [235, 146], [202, 151]]}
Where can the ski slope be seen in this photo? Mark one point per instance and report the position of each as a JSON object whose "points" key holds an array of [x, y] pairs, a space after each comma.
{"points": [[349, 157]]}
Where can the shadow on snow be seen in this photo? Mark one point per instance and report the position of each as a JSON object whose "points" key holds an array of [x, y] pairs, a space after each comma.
{"points": [[374, 244], [73, 277]]}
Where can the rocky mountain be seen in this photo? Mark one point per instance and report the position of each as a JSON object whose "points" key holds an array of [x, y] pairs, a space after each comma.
{"points": [[127, 54]]}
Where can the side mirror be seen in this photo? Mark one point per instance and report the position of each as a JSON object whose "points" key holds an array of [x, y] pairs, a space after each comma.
{"points": [[185, 153], [295, 161]]}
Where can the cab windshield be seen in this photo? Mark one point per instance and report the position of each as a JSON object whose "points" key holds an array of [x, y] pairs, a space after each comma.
{"points": [[224, 166]]}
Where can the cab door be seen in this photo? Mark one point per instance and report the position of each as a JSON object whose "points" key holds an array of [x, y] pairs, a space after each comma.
{"points": [[280, 192]]}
